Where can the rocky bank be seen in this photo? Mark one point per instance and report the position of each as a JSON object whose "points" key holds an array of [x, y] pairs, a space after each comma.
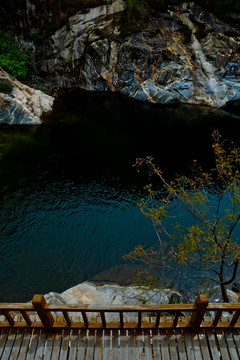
{"points": [[22, 105]]}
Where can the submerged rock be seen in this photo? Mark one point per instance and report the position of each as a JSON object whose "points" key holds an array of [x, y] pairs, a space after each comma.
{"points": [[21, 104], [90, 293]]}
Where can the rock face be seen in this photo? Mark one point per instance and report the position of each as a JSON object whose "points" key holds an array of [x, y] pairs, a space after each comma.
{"points": [[89, 293], [23, 105], [184, 55]]}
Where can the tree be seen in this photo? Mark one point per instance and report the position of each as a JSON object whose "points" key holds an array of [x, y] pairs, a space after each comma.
{"points": [[209, 245]]}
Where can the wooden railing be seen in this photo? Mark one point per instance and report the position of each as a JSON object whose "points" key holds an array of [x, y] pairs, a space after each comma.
{"points": [[39, 314]]}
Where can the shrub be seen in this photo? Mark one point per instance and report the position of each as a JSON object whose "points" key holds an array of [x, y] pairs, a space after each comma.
{"points": [[12, 59]]}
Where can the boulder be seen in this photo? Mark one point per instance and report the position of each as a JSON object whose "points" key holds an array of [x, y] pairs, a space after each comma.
{"points": [[233, 297], [90, 293], [22, 104]]}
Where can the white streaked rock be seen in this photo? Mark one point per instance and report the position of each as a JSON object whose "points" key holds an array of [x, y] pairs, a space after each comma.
{"points": [[23, 105]]}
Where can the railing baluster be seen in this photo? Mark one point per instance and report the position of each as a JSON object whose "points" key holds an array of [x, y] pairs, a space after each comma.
{"points": [[26, 317], [8, 317], [158, 319], [139, 319], [85, 319], [102, 313], [67, 318], [235, 318], [121, 319], [175, 321], [217, 318], [46, 317]]}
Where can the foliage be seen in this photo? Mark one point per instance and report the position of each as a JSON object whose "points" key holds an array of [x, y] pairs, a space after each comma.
{"points": [[136, 17], [11, 58], [209, 244], [69, 62], [35, 34], [134, 6], [5, 88]]}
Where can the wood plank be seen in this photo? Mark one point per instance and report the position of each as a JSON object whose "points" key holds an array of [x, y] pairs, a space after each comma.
{"points": [[125, 308], [9, 344], [115, 345], [65, 345], [156, 345], [33, 344], [57, 345], [222, 344], [196, 347], [106, 345], [172, 344], [139, 344], [17, 344], [131, 345], [181, 344], [3, 339], [164, 345], [25, 344], [231, 345], [212, 344], [90, 344], [147, 345], [49, 346], [236, 337], [41, 345], [82, 342], [189, 344], [73, 345], [99, 345], [203, 344], [123, 345]]}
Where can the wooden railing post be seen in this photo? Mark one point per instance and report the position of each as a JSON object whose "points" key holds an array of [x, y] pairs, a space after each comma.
{"points": [[46, 318], [197, 317]]}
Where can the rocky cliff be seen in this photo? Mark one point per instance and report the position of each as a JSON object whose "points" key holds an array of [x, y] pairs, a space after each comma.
{"points": [[183, 55]]}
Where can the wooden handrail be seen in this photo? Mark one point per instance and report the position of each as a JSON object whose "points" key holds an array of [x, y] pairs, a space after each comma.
{"points": [[39, 314]]}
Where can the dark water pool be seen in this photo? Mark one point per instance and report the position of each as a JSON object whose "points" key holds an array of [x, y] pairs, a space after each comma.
{"points": [[69, 193]]}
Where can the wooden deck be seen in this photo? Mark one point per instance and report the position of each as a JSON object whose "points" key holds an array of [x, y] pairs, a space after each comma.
{"points": [[209, 344], [41, 331]]}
